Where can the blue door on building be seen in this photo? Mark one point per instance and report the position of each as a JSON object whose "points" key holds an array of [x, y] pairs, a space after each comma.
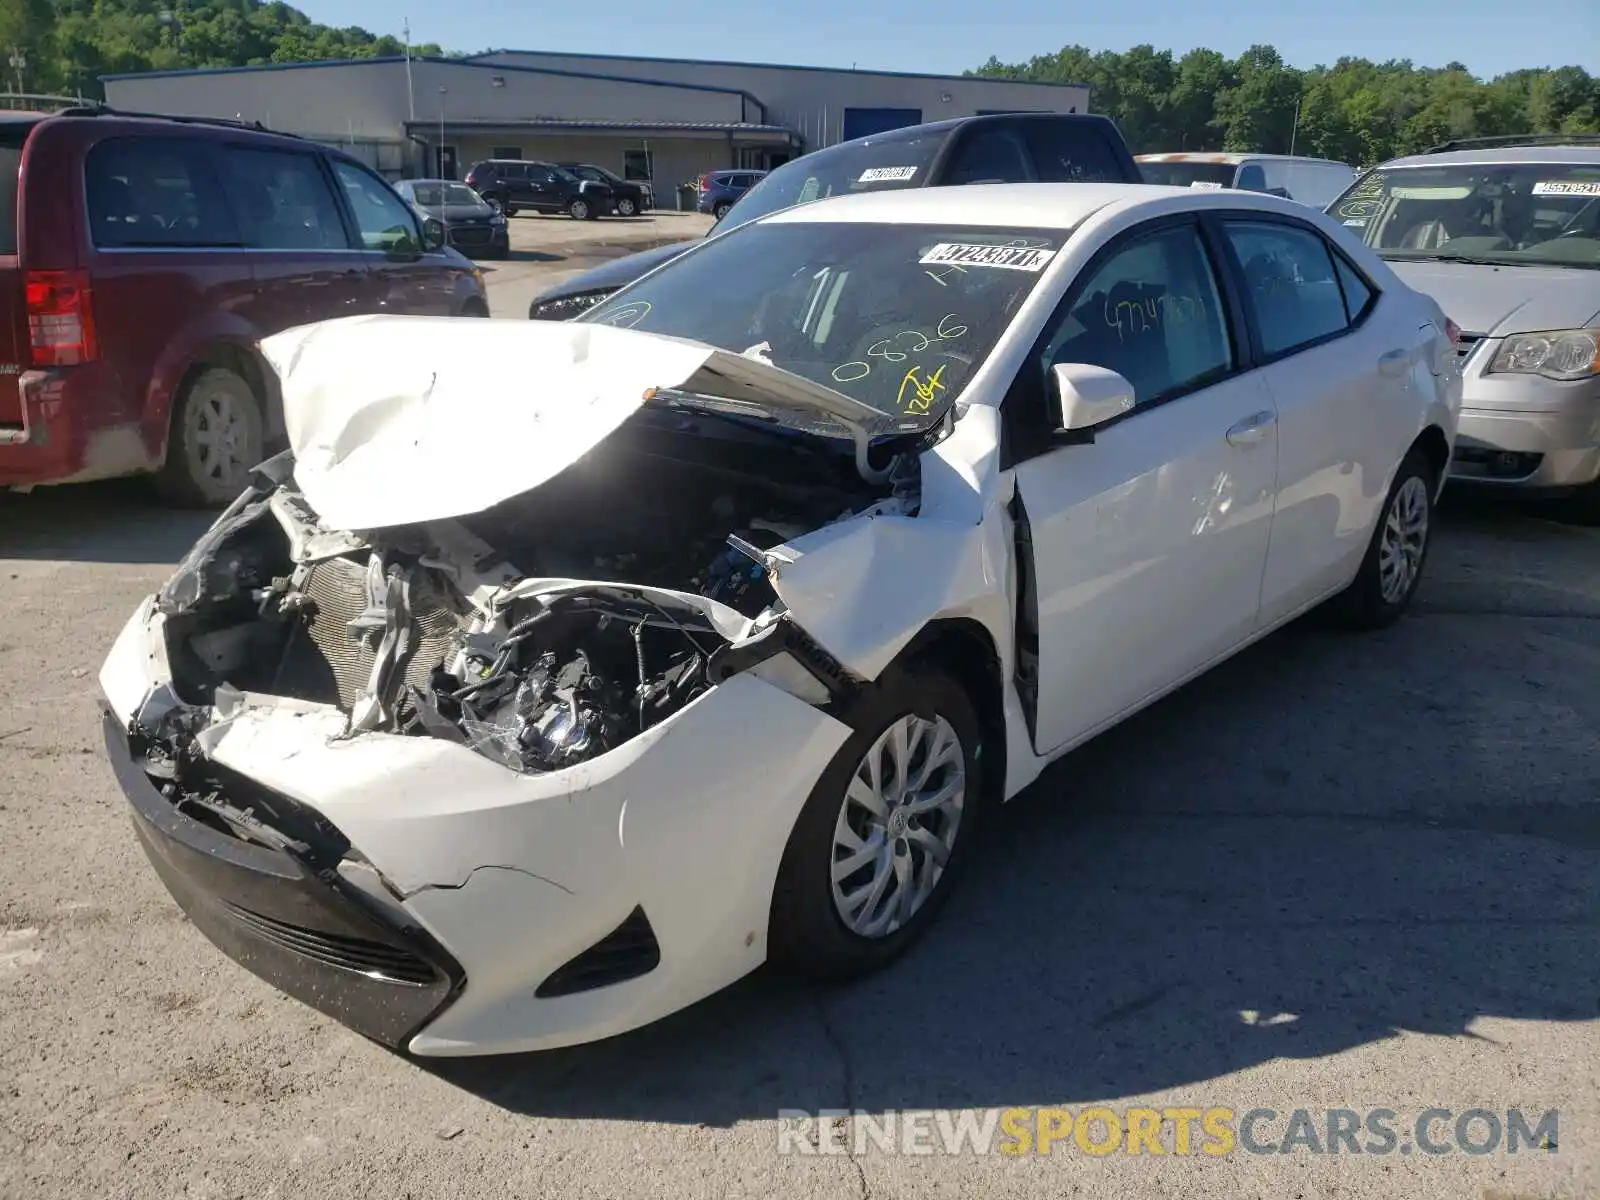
{"points": [[858, 122]]}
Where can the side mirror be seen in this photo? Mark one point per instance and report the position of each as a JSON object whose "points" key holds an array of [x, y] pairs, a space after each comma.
{"points": [[433, 235], [1085, 396]]}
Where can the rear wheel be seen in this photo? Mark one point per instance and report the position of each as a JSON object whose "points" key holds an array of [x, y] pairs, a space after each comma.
{"points": [[883, 834], [215, 441], [721, 210]]}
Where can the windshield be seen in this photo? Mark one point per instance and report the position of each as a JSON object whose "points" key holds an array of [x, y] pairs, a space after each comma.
{"points": [[433, 195], [896, 316], [1188, 174], [1512, 213], [877, 164]]}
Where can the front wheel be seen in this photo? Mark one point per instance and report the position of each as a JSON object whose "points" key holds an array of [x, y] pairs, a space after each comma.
{"points": [[1392, 569], [580, 209], [626, 207], [880, 840]]}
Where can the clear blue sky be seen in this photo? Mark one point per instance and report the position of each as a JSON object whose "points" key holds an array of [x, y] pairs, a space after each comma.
{"points": [[949, 36]]}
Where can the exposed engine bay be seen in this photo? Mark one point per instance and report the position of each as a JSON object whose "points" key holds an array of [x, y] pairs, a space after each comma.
{"points": [[541, 633]]}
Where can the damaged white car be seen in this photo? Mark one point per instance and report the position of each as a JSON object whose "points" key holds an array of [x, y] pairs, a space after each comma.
{"points": [[560, 674]]}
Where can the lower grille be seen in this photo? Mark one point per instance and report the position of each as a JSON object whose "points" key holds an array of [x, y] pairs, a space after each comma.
{"points": [[627, 952], [336, 588], [372, 959]]}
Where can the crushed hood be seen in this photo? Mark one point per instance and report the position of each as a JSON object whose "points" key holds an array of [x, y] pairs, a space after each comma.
{"points": [[398, 420], [1496, 301]]}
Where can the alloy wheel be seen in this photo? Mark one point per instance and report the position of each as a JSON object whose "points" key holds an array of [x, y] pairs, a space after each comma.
{"points": [[1405, 538], [219, 431], [898, 824]]}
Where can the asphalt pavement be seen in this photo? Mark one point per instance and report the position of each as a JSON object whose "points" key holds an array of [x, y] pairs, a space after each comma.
{"points": [[1357, 871]]}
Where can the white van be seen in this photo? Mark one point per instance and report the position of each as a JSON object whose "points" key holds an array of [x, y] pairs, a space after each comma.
{"points": [[1314, 181]]}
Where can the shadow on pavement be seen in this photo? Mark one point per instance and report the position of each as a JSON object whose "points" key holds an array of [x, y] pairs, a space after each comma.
{"points": [[119, 521], [1328, 840]]}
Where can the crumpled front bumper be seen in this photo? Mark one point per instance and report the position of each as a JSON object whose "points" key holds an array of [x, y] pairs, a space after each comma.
{"points": [[494, 880]]}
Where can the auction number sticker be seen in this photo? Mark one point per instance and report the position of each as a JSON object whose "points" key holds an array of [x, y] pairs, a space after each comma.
{"points": [[887, 174], [1567, 187], [1203, 185], [968, 254]]}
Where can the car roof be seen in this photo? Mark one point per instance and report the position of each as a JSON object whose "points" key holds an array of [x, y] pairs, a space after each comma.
{"points": [[440, 182], [1022, 205], [1232, 157], [1490, 156]]}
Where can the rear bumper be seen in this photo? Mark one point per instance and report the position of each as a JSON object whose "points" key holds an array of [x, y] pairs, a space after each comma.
{"points": [[305, 933], [73, 429]]}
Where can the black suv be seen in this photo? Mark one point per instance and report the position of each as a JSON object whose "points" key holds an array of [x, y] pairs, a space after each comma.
{"points": [[628, 199], [1006, 148], [543, 187]]}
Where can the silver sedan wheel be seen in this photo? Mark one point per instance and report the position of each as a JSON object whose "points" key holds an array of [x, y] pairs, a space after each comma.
{"points": [[1405, 537], [898, 825]]}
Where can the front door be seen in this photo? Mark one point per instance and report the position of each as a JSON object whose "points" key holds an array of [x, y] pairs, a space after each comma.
{"points": [[404, 279], [1148, 543]]}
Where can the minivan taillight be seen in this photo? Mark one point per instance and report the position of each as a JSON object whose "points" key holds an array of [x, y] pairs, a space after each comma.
{"points": [[60, 318]]}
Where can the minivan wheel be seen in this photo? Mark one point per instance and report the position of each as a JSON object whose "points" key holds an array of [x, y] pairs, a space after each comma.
{"points": [[215, 442], [885, 832], [580, 209], [626, 207]]}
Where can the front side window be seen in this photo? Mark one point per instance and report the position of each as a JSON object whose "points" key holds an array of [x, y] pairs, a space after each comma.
{"points": [[1513, 213], [988, 154], [1290, 284], [1151, 312], [156, 192], [896, 316], [385, 222], [1071, 152]]}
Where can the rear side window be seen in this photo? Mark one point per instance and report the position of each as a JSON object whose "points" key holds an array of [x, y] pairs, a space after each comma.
{"points": [[1071, 152], [1293, 289], [282, 199], [156, 192], [13, 134], [990, 153]]}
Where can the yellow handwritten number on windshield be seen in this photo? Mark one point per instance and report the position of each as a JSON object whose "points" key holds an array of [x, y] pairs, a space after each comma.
{"points": [[923, 391]]}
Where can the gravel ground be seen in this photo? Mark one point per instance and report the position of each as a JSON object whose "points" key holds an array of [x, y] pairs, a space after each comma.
{"points": [[1337, 872]]}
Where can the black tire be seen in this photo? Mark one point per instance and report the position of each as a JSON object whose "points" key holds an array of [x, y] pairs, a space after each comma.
{"points": [[626, 207], [509, 210], [580, 209], [474, 308], [1582, 507], [721, 210], [807, 934], [1364, 604], [194, 474]]}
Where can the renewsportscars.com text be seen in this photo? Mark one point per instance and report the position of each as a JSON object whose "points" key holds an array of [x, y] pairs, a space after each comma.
{"points": [[1213, 1131]]}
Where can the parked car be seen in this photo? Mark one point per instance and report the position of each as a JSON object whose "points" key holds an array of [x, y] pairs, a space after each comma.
{"points": [[718, 191], [473, 225], [1047, 147], [1506, 237], [531, 725], [1313, 181], [144, 258], [539, 186], [628, 199]]}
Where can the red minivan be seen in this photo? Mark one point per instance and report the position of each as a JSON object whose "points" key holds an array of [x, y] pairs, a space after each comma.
{"points": [[141, 261]]}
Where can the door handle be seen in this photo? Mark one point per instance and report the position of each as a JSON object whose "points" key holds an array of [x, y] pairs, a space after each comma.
{"points": [[1394, 362], [1252, 429]]}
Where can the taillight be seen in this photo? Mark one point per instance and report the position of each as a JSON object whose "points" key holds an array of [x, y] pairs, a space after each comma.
{"points": [[703, 183], [60, 318], [1452, 331]]}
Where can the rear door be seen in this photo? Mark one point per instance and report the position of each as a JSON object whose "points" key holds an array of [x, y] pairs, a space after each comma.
{"points": [[404, 279], [305, 267], [13, 319]]}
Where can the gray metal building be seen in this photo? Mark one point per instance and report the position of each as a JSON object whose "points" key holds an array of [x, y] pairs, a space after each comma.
{"points": [[661, 121]]}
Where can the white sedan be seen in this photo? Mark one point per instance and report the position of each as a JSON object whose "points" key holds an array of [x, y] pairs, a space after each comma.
{"points": [[560, 674]]}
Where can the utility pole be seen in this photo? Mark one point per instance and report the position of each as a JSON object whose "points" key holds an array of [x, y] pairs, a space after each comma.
{"points": [[411, 95], [1295, 128], [442, 92], [19, 63]]}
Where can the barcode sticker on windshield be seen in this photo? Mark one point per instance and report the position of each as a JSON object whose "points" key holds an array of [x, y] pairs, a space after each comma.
{"points": [[1201, 185], [1567, 187], [887, 174], [1012, 258]]}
